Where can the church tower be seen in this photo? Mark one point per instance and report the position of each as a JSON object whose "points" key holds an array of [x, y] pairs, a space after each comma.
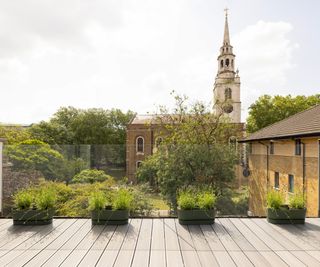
{"points": [[226, 91]]}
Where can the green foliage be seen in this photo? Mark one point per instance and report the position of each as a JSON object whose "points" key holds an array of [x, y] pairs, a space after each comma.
{"points": [[35, 155], [297, 201], [122, 200], [206, 200], [268, 110], [142, 203], [97, 201], [14, 134], [45, 199], [23, 199], [196, 198], [275, 199], [186, 200], [91, 176]]}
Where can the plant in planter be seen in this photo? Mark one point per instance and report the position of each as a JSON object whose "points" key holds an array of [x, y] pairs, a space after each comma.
{"points": [[114, 214], [279, 213], [33, 207], [196, 207]]}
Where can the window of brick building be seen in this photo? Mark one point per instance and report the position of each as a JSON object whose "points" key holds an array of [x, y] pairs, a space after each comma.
{"points": [[140, 144], [298, 147], [271, 148], [276, 180], [138, 164], [291, 183]]}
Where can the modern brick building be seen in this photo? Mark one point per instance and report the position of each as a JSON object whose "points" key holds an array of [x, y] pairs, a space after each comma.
{"points": [[286, 156]]}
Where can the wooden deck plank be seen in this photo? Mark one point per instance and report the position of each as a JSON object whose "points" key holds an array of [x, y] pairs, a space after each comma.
{"points": [[131, 238], [108, 257], [124, 258], [207, 259], [185, 239], [157, 258], [23, 259], [171, 238], [289, 258], [103, 239], [314, 253], [199, 241], [306, 258], [174, 258], [140, 258], [236, 235], [273, 258], [117, 238], [212, 238], [190, 258], [157, 241], [56, 259], [294, 235], [144, 240], [262, 235], [240, 258], [285, 242], [250, 235], [9, 256], [257, 259], [91, 258], [91, 237], [223, 258], [72, 259], [224, 237]]}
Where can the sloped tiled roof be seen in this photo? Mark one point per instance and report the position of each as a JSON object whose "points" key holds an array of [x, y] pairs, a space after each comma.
{"points": [[305, 123]]}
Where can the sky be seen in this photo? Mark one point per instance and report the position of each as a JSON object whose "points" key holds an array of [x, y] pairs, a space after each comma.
{"points": [[130, 54]]}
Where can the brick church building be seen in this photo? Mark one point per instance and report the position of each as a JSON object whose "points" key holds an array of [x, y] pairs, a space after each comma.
{"points": [[143, 132]]}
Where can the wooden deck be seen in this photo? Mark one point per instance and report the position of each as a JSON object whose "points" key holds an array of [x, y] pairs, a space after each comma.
{"points": [[160, 242]]}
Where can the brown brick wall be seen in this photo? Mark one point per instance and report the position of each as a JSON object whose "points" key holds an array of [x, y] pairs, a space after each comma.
{"points": [[285, 165]]}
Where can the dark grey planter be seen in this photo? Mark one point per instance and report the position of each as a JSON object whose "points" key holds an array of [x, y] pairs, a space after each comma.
{"points": [[32, 217], [109, 217], [286, 216], [196, 216]]}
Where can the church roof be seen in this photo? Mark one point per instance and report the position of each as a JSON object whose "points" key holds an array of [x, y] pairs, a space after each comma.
{"points": [[144, 119], [302, 124]]}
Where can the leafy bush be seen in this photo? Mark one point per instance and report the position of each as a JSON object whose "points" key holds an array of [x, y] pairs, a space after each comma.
{"points": [[91, 176], [122, 200], [45, 199], [275, 199], [186, 200], [97, 201], [297, 201], [206, 200], [23, 199]]}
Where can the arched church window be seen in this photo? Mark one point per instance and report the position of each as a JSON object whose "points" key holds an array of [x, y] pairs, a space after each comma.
{"points": [[232, 63], [228, 94], [227, 62], [227, 49], [140, 144], [221, 63], [233, 142]]}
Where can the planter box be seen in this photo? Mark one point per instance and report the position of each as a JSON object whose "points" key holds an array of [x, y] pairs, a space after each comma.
{"points": [[286, 216], [196, 216], [109, 217], [32, 217]]}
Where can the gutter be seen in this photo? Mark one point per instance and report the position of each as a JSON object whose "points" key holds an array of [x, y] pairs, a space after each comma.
{"points": [[293, 136]]}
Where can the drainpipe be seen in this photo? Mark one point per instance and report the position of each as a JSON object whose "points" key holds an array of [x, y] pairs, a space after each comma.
{"points": [[267, 147], [304, 168], [319, 178]]}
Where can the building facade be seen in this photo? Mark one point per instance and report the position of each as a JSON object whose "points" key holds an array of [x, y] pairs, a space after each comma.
{"points": [[285, 156], [143, 131]]}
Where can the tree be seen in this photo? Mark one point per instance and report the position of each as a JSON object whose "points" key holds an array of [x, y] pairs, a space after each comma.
{"points": [[91, 176], [194, 150], [35, 155], [270, 109], [14, 134]]}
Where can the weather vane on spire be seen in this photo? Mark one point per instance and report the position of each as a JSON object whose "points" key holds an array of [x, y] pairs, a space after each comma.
{"points": [[226, 11]]}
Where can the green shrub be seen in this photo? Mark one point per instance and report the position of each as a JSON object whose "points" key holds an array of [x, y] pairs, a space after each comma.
{"points": [[186, 200], [297, 201], [45, 199], [275, 199], [91, 176], [122, 200], [23, 199], [97, 201], [206, 200]]}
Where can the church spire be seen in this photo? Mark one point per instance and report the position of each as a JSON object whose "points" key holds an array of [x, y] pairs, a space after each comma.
{"points": [[226, 38]]}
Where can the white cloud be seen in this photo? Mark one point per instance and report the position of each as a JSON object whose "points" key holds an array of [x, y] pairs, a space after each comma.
{"points": [[265, 56]]}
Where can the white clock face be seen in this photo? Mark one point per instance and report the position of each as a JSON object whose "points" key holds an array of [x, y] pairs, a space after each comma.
{"points": [[228, 108]]}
